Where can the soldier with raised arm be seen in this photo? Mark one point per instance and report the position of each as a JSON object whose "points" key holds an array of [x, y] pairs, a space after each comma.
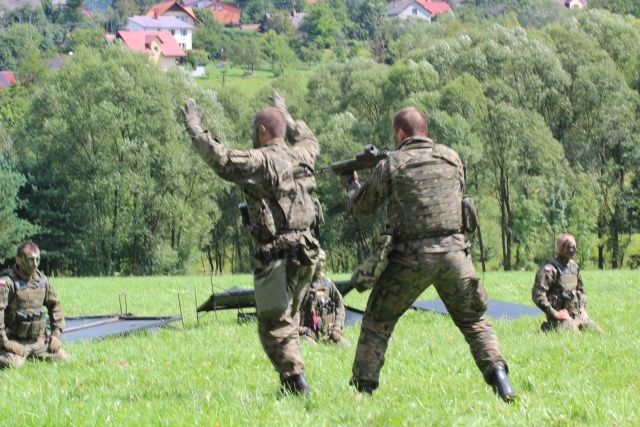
{"points": [[280, 214]]}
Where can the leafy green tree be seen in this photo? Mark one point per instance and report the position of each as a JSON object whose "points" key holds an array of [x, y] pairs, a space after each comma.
{"points": [[15, 42], [255, 10], [519, 150], [110, 138], [620, 7], [90, 37], [13, 229], [603, 139], [538, 13], [245, 51], [280, 22], [276, 51], [321, 25]]}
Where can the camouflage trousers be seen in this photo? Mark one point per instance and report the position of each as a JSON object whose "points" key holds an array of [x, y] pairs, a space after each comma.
{"points": [[279, 335], [400, 284], [34, 349]]}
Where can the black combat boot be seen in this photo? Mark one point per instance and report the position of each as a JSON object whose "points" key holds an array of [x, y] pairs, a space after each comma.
{"points": [[295, 384], [501, 385]]}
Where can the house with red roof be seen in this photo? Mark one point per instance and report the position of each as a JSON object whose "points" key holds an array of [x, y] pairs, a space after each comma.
{"points": [[160, 45], [7, 78], [436, 7], [406, 9], [226, 13], [182, 31], [173, 8]]}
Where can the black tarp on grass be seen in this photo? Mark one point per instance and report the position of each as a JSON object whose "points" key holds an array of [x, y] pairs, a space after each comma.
{"points": [[98, 327]]}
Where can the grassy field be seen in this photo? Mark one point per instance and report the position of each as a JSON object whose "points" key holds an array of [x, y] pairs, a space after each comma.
{"points": [[219, 75], [214, 373]]}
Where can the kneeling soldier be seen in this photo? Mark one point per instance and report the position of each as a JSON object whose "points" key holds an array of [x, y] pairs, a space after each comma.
{"points": [[559, 292], [322, 310], [24, 292]]}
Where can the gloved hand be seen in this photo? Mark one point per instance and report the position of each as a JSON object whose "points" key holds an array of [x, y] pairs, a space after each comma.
{"points": [[54, 344], [15, 347], [191, 117], [279, 103], [335, 334]]}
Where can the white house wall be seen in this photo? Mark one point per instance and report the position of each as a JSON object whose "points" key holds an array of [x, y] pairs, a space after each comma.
{"points": [[408, 13]]}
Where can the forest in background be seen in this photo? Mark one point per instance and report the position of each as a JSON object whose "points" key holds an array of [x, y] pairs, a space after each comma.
{"points": [[96, 166]]}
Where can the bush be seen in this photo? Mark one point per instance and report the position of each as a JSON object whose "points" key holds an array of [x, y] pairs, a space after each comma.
{"points": [[197, 57]]}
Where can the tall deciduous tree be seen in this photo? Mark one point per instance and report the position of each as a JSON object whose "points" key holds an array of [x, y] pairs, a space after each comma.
{"points": [[107, 131]]}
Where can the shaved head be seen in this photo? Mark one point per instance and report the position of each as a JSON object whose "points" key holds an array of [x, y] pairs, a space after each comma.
{"points": [[562, 240], [566, 245], [272, 120], [411, 121]]}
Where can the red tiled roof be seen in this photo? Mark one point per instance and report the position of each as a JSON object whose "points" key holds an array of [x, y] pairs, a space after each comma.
{"points": [[140, 41], [435, 7], [163, 7], [226, 13], [7, 78]]}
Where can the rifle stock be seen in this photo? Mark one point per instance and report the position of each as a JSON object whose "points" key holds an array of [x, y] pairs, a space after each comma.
{"points": [[366, 159]]}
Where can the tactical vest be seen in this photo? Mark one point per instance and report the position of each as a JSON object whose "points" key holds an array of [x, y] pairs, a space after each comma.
{"points": [[426, 199], [287, 204], [24, 317], [319, 311], [567, 284]]}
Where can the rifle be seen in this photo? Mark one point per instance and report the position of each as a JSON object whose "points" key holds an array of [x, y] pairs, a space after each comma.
{"points": [[366, 159]]}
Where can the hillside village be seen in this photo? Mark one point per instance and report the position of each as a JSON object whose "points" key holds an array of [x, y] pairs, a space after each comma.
{"points": [[166, 30]]}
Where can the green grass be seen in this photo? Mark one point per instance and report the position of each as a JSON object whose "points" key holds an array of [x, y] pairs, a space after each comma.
{"points": [[235, 77], [215, 373]]}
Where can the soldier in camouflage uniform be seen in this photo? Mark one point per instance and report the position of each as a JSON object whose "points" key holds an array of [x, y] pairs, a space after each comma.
{"points": [[558, 290], [424, 183], [24, 292], [280, 214], [322, 311]]}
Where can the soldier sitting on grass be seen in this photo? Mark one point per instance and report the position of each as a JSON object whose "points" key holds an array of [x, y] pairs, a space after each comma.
{"points": [[322, 310], [559, 292], [24, 292]]}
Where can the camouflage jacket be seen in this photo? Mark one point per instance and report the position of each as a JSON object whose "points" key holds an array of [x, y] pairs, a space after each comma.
{"points": [[322, 307], [558, 285], [21, 303], [365, 199], [277, 182]]}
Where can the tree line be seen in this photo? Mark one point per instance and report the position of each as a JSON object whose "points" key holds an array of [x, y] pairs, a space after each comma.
{"points": [[95, 165]]}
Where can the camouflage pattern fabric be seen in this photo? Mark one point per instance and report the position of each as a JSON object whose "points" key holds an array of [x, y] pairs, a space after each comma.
{"points": [[279, 335], [401, 283], [322, 310], [277, 182], [416, 262], [23, 320], [367, 273], [34, 349], [558, 285], [364, 200]]}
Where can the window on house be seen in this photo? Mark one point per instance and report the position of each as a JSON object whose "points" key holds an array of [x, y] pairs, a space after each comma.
{"points": [[182, 45], [415, 11], [219, 7], [182, 18], [173, 32], [183, 32]]}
